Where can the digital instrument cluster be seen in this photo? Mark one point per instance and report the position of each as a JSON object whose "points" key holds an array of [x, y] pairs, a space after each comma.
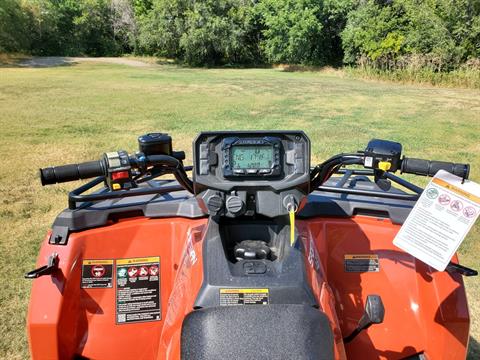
{"points": [[254, 157]]}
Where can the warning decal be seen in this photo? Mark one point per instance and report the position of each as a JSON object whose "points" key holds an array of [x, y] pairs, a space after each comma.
{"points": [[97, 274], [229, 297], [361, 263], [138, 290]]}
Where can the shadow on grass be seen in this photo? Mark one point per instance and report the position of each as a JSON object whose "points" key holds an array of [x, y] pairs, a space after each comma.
{"points": [[473, 349], [36, 62], [45, 62]]}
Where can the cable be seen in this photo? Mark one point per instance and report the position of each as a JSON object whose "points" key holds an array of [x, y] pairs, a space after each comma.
{"points": [[322, 172]]}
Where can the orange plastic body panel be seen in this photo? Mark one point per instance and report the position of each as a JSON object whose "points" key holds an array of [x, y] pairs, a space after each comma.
{"points": [[65, 320], [425, 310]]}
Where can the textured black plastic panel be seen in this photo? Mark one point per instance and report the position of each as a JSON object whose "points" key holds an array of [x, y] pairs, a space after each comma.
{"points": [[285, 277], [282, 331]]}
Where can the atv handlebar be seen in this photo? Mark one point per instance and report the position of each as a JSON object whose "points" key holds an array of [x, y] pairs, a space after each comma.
{"points": [[72, 172], [430, 168], [383, 156], [122, 165], [322, 172]]}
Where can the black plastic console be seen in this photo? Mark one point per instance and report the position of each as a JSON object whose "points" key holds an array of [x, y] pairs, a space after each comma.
{"points": [[283, 273], [251, 172]]}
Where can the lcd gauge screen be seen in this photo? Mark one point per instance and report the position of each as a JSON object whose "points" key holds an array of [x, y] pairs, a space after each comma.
{"points": [[252, 157]]}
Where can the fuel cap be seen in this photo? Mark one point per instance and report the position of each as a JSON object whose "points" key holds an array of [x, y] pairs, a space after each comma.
{"points": [[235, 205], [214, 203]]}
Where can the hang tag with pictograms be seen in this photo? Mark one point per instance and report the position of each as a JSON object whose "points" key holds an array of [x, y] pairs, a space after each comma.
{"points": [[440, 220]]}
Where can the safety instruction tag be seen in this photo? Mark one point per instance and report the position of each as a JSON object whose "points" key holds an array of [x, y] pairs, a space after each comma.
{"points": [[440, 220]]}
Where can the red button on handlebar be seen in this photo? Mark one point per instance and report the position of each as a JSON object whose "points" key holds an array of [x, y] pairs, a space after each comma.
{"points": [[120, 175]]}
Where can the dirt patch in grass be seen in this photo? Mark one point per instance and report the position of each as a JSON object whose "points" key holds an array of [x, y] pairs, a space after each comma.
{"points": [[54, 61]]}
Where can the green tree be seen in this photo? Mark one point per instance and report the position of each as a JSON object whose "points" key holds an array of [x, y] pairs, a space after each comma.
{"points": [[436, 34], [73, 27], [292, 31], [334, 19], [93, 29], [14, 27], [440, 35], [210, 32], [219, 32], [161, 28], [374, 32], [124, 25], [142, 7]]}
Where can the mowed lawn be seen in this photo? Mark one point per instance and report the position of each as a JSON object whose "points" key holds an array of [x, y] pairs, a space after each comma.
{"points": [[66, 114]]}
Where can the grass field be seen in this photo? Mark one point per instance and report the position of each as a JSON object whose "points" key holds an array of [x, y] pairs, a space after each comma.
{"points": [[74, 113]]}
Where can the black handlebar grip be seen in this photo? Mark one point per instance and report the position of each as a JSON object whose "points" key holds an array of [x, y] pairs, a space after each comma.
{"points": [[59, 174], [430, 168]]}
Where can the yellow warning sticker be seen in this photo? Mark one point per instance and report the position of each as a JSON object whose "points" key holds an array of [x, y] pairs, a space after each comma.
{"points": [[243, 291], [361, 263], [152, 259], [230, 297], [97, 262], [97, 273], [361, 256], [456, 190]]}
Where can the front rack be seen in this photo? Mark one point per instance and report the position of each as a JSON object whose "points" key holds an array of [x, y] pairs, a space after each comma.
{"points": [[76, 196], [347, 173]]}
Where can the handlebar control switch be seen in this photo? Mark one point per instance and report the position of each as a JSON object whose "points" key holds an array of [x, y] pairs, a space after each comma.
{"points": [[383, 155], [119, 171]]}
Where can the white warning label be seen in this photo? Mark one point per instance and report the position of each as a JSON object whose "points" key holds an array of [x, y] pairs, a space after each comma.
{"points": [[138, 290], [440, 220], [230, 297]]}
